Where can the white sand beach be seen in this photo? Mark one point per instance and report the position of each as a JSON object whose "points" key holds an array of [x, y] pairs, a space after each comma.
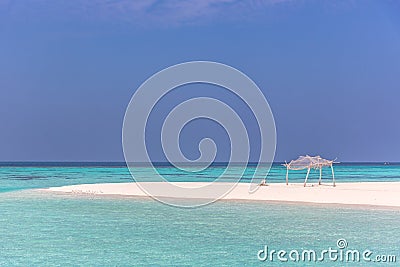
{"points": [[362, 193]]}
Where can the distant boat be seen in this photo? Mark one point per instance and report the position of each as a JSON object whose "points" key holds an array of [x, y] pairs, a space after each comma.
{"points": [[386, 163]]}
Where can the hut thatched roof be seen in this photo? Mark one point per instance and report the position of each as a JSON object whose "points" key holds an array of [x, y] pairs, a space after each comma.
{"points": [[308, 162]]}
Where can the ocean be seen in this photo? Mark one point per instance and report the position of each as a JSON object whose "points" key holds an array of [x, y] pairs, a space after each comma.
{"points": [[51, 229]]}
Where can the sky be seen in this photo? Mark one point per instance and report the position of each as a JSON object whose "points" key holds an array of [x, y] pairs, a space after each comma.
{"points": [[330, 71]]}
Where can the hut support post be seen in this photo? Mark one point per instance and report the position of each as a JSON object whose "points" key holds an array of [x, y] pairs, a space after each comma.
{"points": [[333, 175], [305, 181], [320, 175], [287, 175]]}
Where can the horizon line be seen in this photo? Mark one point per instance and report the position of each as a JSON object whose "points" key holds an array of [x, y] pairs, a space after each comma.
{"points": [[163, 163]]}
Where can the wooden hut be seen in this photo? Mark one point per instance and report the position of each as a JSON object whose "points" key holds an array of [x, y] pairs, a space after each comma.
{"points": [[309, 162]]}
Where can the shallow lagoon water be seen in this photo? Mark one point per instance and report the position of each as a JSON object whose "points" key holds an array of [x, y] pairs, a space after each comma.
{"points": [[48, 229]]}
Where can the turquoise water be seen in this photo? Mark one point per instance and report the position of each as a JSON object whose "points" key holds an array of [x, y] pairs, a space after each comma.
{"points": [[39, 229], [47, 175]]}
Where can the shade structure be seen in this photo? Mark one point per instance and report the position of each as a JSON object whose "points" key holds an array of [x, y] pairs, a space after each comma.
{"points": [[310, 162]]}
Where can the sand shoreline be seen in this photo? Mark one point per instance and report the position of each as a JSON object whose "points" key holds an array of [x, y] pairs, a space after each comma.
{"points": [[367, 194]]}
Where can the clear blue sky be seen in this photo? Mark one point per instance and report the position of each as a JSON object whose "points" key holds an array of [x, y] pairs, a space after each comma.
{"points": [[329, 69]]}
